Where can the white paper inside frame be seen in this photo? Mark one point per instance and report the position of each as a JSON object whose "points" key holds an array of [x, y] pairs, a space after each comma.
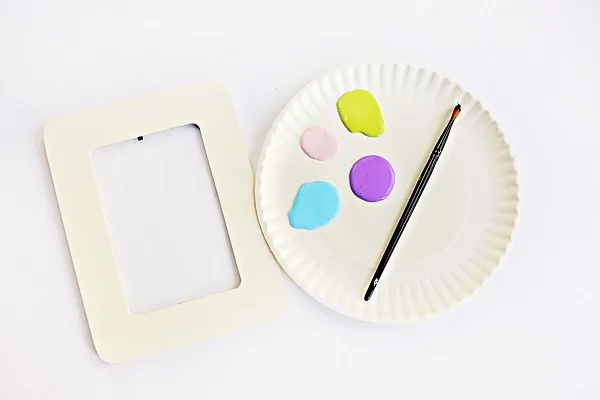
{"points": [[119, 335]]}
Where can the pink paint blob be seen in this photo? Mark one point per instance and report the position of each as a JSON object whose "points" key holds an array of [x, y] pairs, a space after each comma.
{"points": [[372, 178], [319, 144]]}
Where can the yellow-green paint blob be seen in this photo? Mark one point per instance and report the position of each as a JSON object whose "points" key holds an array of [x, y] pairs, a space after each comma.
{"points": [[360, 113]]}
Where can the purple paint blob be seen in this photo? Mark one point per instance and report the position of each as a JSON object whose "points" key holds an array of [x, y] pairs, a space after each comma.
{"points": [[372, 178]]}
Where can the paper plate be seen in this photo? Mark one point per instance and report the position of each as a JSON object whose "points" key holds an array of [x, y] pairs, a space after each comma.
{"points": [[459, 230]]}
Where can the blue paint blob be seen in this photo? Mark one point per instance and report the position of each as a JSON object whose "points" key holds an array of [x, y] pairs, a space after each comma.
{"points": [[316, 204]]}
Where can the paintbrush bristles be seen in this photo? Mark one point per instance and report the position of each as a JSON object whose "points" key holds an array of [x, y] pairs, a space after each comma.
{"points": [[455, 112]]}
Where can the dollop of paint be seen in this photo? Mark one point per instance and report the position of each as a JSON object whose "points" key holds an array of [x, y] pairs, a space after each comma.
{"points": [[319, 144], [316, 205], [360, 113], [372, 178]]}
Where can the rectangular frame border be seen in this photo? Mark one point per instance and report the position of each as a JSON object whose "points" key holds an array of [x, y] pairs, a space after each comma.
{"points": [[119, 335]]}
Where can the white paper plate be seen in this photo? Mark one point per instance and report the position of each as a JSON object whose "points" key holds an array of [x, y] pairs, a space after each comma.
{"points": [[459, 230]]}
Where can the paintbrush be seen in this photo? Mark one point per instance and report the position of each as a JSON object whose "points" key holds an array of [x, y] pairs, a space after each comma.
{"points": [[412, 203]]}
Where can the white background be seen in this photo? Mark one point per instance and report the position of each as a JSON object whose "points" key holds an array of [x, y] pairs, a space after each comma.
{"points": [[532, 332], [164, 219]]}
